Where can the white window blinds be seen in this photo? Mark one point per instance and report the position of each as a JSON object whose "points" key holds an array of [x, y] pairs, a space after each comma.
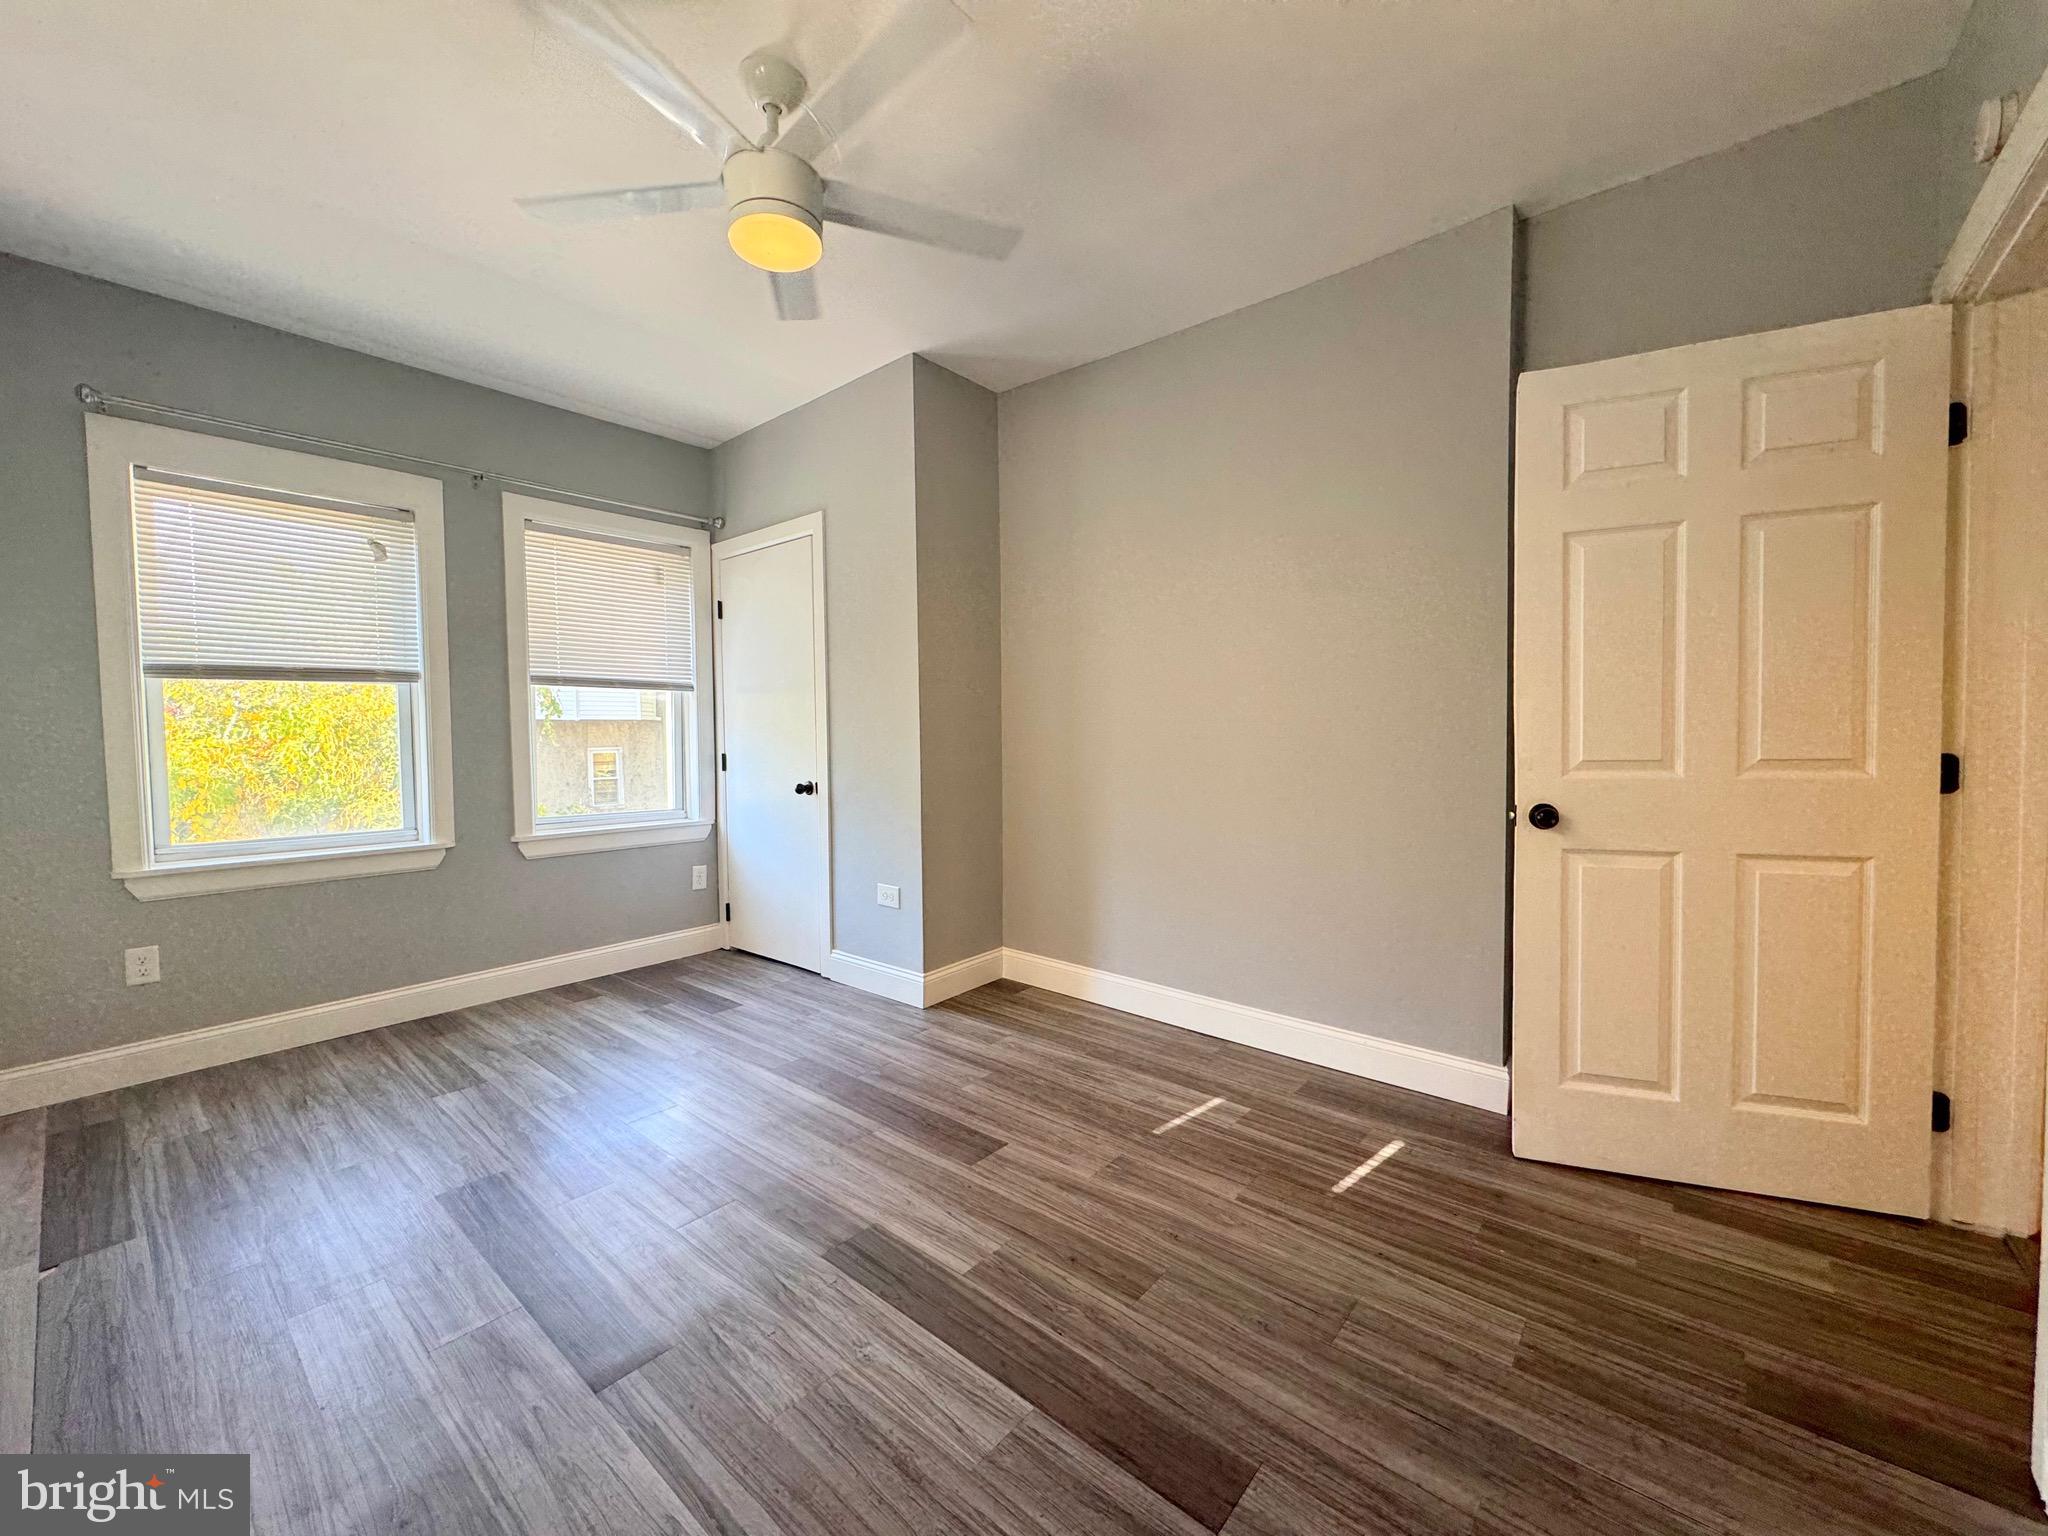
{"points": [[608, 612], [240, 583]]}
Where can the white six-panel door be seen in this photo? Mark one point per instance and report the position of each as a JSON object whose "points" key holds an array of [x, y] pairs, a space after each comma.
{"points": [[1728, 660]]}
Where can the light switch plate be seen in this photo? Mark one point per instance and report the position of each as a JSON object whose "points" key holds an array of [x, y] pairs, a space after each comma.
{"points": [[888, 896]]}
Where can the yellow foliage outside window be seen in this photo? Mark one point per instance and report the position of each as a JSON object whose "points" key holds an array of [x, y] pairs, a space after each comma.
{"points": [[250, 760]]}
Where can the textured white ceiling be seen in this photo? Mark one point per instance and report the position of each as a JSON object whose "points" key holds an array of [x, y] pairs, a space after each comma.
{"points": [[347, 170]]}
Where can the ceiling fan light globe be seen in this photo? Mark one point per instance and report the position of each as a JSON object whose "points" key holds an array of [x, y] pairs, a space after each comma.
{"points": [[775, 236]]}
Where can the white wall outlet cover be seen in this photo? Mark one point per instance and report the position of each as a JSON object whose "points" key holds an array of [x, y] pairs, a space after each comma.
{"points": [[141, 966], [888, 896], [700, 877]]}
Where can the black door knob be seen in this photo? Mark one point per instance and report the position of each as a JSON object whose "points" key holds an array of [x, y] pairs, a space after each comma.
{"points": [[808, 787], [1542, 816]]}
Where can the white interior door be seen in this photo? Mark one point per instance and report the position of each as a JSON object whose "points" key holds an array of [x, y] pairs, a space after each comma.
{"points": [[774, 789], [1728, 661]]}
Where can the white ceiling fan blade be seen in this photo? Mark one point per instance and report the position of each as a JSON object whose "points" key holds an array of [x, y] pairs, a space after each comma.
{"points": [[624, 202], [796, 295], [858, 208], [602, 30], [913, 35]]}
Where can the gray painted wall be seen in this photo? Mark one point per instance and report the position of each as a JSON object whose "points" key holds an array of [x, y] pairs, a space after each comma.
{"points": [[1254, 625], [1838, 215], [63, 919], [2003, 47], [850, 455], [959, 666]]}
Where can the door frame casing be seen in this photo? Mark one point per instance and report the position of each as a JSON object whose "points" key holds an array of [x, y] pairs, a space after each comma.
{"points": [[1988, 1170], [1993, 982], [811, 525]]}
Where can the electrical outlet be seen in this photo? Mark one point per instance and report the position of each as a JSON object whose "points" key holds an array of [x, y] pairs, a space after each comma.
{"points": [[700, 877], [141, 966], [888, 896]]}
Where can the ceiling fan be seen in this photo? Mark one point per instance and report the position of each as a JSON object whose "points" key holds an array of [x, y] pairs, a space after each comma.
{"points": [[776, 205]]}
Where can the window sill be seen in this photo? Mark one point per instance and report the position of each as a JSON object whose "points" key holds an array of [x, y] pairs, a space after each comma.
{"points": [[549, 845], [214, 876]]}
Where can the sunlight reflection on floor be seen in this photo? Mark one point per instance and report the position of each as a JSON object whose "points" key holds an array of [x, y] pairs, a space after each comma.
{"points": [[1366, 1167], [1184, 1118]]}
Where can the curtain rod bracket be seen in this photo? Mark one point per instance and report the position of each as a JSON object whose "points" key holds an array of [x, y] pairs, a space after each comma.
{"points": [[93, 400]]}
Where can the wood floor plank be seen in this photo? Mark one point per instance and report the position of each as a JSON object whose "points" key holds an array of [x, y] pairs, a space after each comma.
{"points": [[76, 1114], [514, 1408], [1287, 1405], [374, 1386], [1029, 1212], [188, 1210], [669, 982], [109, 1364], [716, 1495], [912, 1121], [17, 1358], [442, 1285], [22, 1140], [698, 1423], [419, 1053], [1052, 1482], [1279, 1503], [86, 1202], [1189, 1469], [167, 1107], [720, 1245], [1923, 1436], [304, 1476], [589, 1321], [501, 1135], [1728, 1456], [891, 1479]]}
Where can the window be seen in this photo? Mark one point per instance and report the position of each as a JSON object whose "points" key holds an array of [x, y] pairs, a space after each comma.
{"points": [[606, 620], [604, 777], [272, 662]]}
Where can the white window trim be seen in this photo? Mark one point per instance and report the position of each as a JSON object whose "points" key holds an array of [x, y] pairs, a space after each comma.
{"points": [[643, 832], [113, 447]]}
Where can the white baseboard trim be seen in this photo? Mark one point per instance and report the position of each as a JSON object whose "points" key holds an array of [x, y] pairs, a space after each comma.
{"points": [[920, 989], [1463, 1081], [890, 981], [144, 1061], [962, 976], [1480, 1084]]}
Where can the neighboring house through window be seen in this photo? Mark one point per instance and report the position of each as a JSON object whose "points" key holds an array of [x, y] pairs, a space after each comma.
{"points": [[606, 622]]}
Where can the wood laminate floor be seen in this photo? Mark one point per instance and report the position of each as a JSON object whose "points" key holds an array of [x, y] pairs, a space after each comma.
{"points": [[719, 1246]]}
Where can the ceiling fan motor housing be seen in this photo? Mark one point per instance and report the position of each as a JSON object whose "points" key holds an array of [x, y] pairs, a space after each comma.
{"points": [[773, 181]]}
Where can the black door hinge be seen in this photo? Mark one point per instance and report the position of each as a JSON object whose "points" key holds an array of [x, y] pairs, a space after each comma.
{"points": [[728, 911], [720, 605], [721, 762], [1943, 1115], [1958, 422], [1951, 773]]}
